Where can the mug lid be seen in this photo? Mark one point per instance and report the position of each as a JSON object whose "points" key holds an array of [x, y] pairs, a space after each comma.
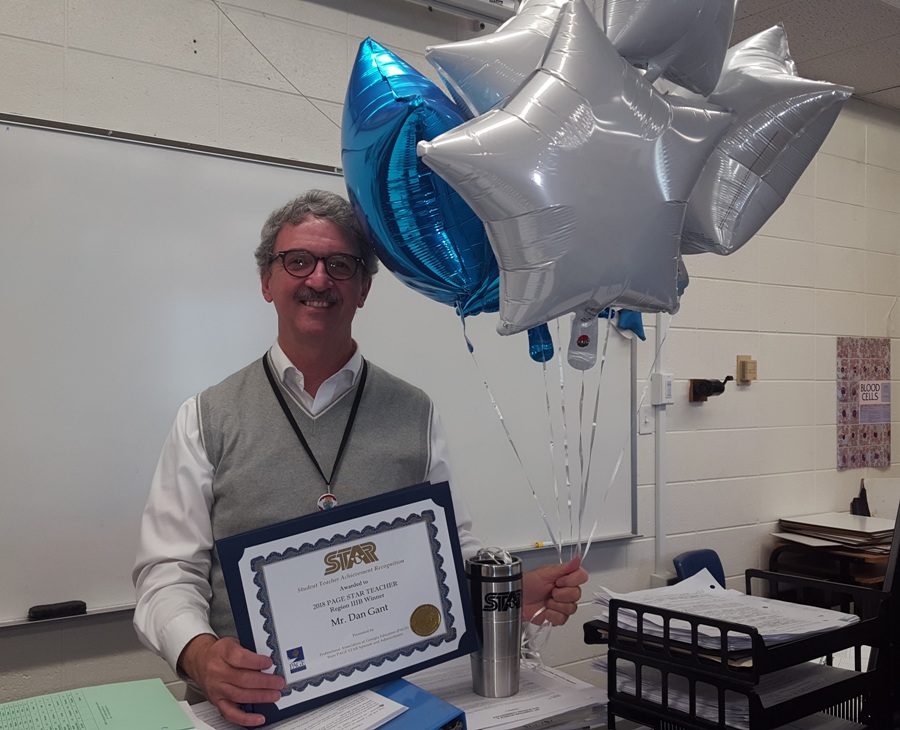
{"points": [[493, 562]]}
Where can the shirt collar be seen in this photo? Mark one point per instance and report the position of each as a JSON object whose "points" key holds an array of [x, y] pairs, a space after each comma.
{"points": [[285, 368]]}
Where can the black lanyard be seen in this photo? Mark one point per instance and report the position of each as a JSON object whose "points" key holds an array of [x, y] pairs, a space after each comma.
{"points": [[290, 417]]}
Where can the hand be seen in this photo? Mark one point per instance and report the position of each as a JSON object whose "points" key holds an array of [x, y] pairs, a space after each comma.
{"points": [[555, 589], [230, 675]]}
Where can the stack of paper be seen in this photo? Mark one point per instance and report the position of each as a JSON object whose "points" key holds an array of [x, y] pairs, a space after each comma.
{"points": [[396, 705], [737, 710], [362, 711], [773, 689], [701, 595], [839, 528], [545, 697]]}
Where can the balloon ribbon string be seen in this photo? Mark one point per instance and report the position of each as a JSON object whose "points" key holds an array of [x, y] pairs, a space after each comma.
{"points": [[615, 471], [565, 427], [586, 471], [509, 438], [553, 458], [581, 483]]}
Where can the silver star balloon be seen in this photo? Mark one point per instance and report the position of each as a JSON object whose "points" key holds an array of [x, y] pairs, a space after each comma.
{"points": [[683, 40], [485, 72], [780, 122], [581, 179]]}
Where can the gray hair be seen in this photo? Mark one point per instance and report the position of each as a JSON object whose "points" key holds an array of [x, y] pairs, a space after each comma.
{"points": [[323, 205]]}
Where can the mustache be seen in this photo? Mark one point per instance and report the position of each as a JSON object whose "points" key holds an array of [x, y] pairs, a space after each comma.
{"points": [[305, 294]]}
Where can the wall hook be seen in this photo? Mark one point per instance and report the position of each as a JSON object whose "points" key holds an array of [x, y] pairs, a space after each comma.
{"points": [[701, 389]]}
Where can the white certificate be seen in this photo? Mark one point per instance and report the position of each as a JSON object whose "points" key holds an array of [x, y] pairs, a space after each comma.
{"points": [[352, 597]]}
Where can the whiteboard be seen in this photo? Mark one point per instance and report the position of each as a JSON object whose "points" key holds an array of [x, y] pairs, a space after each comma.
{"points": [[128, 284]]}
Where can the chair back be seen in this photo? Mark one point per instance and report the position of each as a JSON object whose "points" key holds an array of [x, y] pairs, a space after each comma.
{"points": [[693, 561]]}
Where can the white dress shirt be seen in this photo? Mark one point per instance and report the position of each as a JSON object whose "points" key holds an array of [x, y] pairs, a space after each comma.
{"points": [[171, 573]]}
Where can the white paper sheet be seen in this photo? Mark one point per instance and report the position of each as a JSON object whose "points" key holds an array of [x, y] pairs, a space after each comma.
{"points": [[543, 692], [701, 595], [365, 710], [843, 521], [805, 539]]}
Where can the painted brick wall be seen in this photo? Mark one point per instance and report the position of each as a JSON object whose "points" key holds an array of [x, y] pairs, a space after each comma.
{"points": [[825, 265]]}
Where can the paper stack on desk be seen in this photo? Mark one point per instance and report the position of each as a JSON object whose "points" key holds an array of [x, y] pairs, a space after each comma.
{"points": [[701, 595], [872, 534], [396, 705], [547, 698]]}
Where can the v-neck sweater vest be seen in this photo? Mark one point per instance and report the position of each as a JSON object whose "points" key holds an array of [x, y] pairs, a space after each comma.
{"points": [[263, 476]]}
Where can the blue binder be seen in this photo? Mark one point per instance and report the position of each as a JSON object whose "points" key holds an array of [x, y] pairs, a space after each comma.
{"points": [[426, 712]]}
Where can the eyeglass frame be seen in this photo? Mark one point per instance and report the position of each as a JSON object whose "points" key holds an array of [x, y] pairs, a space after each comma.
{"points": [[360, 263]]}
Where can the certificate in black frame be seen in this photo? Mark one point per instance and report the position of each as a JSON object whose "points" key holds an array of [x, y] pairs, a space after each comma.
{"points": [[232, 549]]}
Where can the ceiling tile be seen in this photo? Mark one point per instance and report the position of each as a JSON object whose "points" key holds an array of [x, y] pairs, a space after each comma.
{"points": [[851, 42], [822, 27], [889, 97], [747, 8], [870, 68]]}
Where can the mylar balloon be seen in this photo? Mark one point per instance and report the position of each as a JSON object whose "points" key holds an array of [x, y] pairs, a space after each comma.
{"points": [[583, 341], [780, 122], [683, 279], [540, 343], [684, 40], [626, 320], [421, 229], [581, 179], [485, 72]]}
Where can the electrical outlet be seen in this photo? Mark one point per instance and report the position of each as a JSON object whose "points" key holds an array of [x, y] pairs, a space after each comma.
{"points": [[662, 389]]}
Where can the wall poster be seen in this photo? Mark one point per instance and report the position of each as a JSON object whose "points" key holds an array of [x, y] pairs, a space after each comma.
{"points": [[863, 402]]}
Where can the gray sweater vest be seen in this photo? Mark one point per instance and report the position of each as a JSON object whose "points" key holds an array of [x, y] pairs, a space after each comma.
{"points": [[262, 474]]}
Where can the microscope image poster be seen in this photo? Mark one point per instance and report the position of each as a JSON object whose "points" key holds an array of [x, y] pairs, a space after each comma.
{"points": [[863, 402]]}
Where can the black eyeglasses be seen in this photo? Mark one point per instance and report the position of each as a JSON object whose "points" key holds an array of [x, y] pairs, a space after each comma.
{"points": [[300, 263]]}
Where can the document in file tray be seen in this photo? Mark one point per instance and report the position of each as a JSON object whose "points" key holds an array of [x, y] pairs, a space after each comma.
{"points": [[787, 682], [701, 595]]}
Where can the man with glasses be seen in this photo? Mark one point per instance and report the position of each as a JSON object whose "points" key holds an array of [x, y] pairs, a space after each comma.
{"points": [[310, 425]]}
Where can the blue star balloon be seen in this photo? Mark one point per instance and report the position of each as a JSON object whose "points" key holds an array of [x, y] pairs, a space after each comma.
{"points": [[421, 229], [540, 343]]}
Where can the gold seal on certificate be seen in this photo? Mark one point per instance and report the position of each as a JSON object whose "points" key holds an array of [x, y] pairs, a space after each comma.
{"points": [[425, 620]]}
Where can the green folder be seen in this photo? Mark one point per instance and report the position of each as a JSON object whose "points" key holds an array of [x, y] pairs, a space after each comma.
{"points": [[142, 705]]}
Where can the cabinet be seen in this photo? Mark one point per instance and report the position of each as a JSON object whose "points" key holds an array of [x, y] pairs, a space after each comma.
{"points": [[672, 684]]}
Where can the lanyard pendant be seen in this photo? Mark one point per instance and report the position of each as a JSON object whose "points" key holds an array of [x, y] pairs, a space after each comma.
{"points": [[326, 502]]}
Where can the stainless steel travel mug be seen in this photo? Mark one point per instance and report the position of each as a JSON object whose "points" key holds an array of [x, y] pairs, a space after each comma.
{"points": [[495, 587]]}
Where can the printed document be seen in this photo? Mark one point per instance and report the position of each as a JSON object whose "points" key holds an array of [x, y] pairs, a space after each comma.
{"points": [[543, 693], [700, 595], [365, 710]]}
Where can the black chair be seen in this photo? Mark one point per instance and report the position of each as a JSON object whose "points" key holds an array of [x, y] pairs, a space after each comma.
{"points": [[693, 561]]}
